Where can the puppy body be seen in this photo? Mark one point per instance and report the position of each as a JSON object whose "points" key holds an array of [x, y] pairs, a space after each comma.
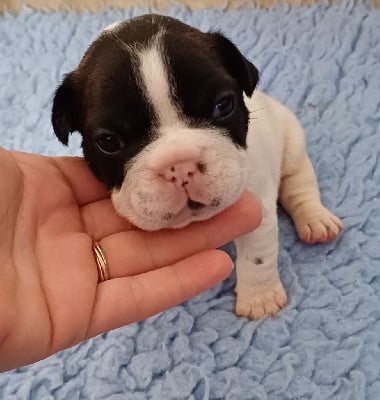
{"points": [[172, 123], [279, 168]]}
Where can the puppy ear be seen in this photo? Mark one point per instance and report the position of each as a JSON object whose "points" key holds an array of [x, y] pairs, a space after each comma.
{"points": [[64, 115], [237, 65]]}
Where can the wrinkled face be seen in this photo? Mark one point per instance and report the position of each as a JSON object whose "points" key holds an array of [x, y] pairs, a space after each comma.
{"points": [[161, 111]]}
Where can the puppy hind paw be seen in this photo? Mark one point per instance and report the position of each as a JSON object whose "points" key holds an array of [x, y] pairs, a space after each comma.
{"points": [[321, 227], [257, 302]]}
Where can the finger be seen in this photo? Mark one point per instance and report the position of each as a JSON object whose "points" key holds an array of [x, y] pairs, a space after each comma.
{"points": [[130, 299], [85, 186], [100, 219], [134, 252]]}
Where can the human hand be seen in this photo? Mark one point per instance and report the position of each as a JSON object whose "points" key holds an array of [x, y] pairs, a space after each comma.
{"points": [[51, 210]]}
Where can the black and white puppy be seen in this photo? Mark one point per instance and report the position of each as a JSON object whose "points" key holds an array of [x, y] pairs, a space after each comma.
{"points": [[164, 113]]}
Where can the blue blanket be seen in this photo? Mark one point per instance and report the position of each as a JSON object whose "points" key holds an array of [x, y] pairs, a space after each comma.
{"points": [[324, 63]]}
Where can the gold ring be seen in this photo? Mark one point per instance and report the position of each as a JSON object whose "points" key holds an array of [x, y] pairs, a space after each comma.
{"points": [[101, 263]]}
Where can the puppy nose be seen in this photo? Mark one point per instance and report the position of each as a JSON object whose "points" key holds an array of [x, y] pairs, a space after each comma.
{"points": [[181, 173]]}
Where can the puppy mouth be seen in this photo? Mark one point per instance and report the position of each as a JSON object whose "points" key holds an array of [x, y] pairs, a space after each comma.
{"points": [[192, 211], [195, 205]]}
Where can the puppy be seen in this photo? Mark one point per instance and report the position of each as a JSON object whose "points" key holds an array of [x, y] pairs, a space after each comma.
{"points": [[172, 124]]}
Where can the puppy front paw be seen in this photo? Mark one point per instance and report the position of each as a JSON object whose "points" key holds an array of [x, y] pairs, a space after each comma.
{"points": [[260, 301], [320, 226]]}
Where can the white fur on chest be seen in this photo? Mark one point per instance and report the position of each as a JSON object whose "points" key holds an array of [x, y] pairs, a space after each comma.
{"points": [[265, 140]]}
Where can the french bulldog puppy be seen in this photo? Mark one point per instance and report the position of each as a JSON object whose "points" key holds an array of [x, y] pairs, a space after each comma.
{"points": [[172, 124]]}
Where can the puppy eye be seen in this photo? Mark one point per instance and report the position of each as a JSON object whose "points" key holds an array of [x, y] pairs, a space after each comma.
{"points": [[108, 143], [224, 107]]}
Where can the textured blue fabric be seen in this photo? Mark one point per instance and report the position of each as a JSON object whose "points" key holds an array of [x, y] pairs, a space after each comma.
{"points": [[324, 63]]}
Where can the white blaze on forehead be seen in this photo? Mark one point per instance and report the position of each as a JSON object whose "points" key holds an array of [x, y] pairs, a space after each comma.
{"points": [[155, 79], [112, 27]]}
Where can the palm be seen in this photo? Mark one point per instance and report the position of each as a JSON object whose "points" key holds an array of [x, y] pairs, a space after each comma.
{"points": [[49, 255]]}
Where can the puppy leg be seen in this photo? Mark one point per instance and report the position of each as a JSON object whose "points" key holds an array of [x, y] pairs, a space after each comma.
{"points": [[299, 192], [259, 290]]}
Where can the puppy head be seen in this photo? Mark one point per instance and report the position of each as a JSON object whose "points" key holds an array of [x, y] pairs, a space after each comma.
{"points": [[160, 107]]}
